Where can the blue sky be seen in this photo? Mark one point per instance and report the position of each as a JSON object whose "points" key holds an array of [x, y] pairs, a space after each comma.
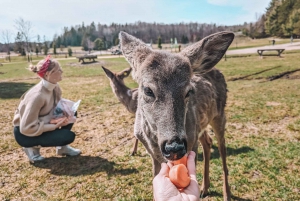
{"points": [[48, 17]]}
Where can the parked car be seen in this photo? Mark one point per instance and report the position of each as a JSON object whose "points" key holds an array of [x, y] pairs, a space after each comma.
{"points": [[116, 52]]}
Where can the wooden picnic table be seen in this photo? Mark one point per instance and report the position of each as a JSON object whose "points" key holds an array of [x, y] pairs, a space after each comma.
{"points": [[90, 57], [279, 51]]}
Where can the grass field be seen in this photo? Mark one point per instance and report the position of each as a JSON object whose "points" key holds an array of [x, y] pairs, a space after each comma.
{"points": [[262, 136], [238, 43]]}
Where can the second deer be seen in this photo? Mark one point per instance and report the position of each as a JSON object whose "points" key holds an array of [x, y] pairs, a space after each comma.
{"points": [[128, 97]]}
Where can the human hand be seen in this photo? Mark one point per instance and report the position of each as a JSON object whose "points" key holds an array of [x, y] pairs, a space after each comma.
{"points": [[66, 122], [55, 121], [164, 189], [59, 122]]}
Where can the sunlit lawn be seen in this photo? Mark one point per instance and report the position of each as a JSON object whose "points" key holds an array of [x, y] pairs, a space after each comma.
{"points": [[263, 134]]}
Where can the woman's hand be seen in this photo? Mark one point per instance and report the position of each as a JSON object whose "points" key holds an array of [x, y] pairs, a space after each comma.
{"points": [[56, 120], [59, 122], [164, 189]]}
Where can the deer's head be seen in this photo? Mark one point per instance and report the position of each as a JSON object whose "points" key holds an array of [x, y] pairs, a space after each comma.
{"points": [[166, 85]]}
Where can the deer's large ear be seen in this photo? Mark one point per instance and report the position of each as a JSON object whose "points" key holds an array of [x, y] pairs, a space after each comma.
{"points": [[108, 73], [205, 54], [134, 50]]}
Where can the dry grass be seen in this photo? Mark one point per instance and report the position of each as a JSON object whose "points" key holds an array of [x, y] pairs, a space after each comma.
{"points": [[262, 137]]}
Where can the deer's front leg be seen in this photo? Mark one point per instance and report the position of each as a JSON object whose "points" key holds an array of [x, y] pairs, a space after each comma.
{"points": [[156, 166], [206, 143], [226, 187], [134, 148]]}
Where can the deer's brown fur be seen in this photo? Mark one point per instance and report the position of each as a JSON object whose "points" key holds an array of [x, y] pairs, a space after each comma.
{"points": [[127, 96], [178, 96]]}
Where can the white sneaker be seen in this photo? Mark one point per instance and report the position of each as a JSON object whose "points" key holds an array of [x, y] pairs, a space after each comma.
{"points": [[67, 150], [33, 154]]}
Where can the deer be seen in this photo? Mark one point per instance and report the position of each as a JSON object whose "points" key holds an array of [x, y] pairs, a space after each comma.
{"points": [[127, 96], [178, 96]]}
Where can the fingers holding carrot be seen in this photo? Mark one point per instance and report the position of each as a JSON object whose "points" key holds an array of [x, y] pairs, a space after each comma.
{"points": [[179, 174], [191, 165]]}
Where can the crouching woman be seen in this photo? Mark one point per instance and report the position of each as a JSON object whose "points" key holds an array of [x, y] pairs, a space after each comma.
{"points": [[34, 126]]}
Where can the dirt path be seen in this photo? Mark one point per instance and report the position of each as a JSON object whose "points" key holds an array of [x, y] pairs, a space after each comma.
{"points": [[286, 46]]}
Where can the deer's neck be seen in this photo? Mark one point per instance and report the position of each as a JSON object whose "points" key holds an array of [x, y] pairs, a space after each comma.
{"points": [[121, 91]]}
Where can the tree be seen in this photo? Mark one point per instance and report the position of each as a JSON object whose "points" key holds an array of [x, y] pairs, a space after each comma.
{"points": [[45, 46], [90, 44], [159, 43], [117, 41], [282, 18], [54, 48], [46, 49], [23, 53], [62, 48], [18, 47], [184, 39], [84, 43], [39, 47], [6, 37], [99, 44], [36, 50], [58, 41], [70, 52], [25, 29]]}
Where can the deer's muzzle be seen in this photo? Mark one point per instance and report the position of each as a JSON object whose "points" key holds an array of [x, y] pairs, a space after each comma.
{"points": [[174, 149]]}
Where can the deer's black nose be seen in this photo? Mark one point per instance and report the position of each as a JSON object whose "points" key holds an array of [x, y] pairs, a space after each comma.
{"points": [[174, 149]]}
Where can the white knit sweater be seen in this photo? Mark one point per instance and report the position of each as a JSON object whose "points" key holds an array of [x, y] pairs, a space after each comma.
{"points": [[35, 110]]}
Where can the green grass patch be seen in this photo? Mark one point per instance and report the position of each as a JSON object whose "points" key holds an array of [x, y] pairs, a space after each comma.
{"points": [[262, 136]]}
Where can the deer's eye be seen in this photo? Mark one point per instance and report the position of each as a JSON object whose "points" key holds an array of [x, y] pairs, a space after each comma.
{"points": [[148, 92], [188, 93]]}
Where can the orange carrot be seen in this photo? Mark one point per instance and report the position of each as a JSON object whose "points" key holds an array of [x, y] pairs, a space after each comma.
{"points": [[179, 173], [183, 161]]}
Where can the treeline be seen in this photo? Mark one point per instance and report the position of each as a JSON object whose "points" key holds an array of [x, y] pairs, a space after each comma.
{"points": [[102, 36], [282, 19]]}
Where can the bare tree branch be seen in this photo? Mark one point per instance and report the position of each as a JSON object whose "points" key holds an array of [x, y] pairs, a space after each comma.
{"points": [[6, 37], [25, 29]]}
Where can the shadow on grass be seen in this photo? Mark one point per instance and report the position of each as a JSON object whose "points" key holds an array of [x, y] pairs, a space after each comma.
{"points": [[230, 152], [219, 195], [81, 165], [11, 90]]}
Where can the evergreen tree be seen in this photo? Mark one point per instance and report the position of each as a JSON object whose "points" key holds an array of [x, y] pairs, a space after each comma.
{"points": [[159, 43], [46, 49], [58, 41], [99, 44], [23, 53], [54, 48], [18, 43], [117, 41], [184, 39], [36, 50], [70, 52]]}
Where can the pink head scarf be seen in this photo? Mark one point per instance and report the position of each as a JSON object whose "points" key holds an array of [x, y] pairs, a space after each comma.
{"points": [[45, 67]]}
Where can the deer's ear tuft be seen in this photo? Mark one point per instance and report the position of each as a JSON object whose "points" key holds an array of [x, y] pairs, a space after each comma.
{"points": [[108, 73], [205, 54], [134, 50]]}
